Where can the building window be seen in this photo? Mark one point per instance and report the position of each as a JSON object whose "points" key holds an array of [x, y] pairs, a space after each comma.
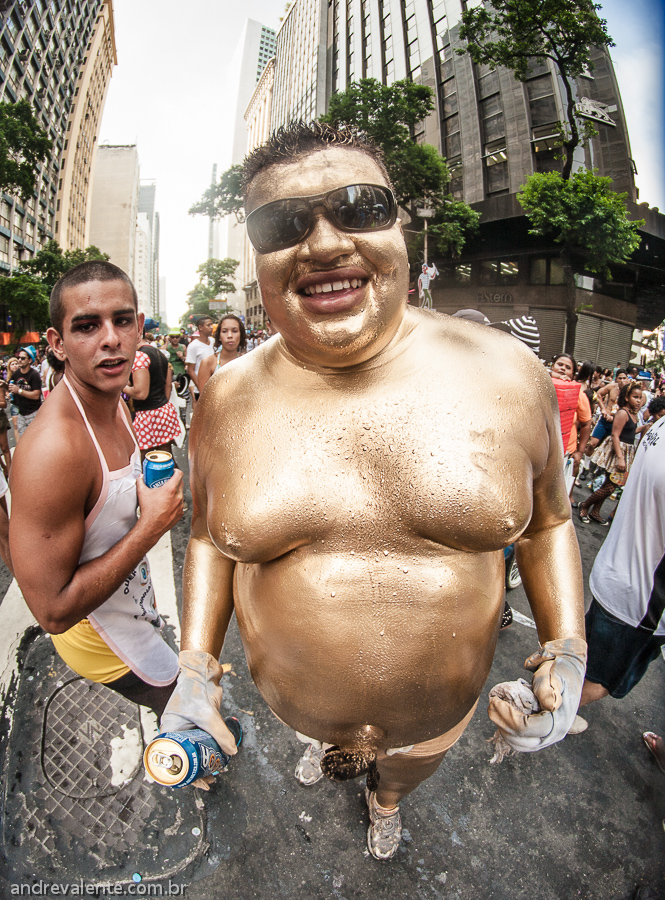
{"points": [[456, 184], [546, 144], [546, 270], [498, 271], [542, 103], [496, 166], [453, 139]]}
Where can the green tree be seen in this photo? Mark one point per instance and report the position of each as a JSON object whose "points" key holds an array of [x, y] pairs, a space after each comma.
{"points": [[24, 146], [25, 299], [214, 279], [222, 199], [24, 294], [513, 33], [584, 215], [389, 115], [50, 263]]}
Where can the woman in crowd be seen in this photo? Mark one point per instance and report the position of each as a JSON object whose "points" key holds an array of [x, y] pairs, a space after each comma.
{"points": [[156, 421], [230, 342], [616, 454], [574, 409], [13, 366]]}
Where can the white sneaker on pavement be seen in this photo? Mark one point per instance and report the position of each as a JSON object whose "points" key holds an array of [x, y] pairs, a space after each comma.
{"points": [[385, 830], [308, 770]]}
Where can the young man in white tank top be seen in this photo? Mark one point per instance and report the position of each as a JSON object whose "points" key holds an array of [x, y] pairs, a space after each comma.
{"points": [[79, 548]]}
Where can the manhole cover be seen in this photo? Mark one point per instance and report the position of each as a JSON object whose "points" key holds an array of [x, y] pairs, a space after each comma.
{"points": [[78, 759], [75, 798]]}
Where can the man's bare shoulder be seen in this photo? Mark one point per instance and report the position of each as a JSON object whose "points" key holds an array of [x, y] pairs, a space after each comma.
{"points": [[56, 450], [483, 351]]}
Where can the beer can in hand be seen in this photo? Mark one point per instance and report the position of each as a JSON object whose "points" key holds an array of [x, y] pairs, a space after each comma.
{"points": [[158, 467], [176, 758]]}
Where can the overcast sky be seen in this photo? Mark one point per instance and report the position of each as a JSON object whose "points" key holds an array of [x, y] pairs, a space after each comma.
{"points": [[169, 96]]}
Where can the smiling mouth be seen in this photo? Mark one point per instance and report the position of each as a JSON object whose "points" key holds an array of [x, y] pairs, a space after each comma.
{"points": [[330, 287]]}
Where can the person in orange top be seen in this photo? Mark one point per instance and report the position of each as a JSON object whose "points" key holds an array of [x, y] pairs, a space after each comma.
{"points": [[574, 407]]}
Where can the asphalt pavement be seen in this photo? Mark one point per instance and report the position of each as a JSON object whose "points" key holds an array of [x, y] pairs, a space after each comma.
{"points": [[583, 819]]}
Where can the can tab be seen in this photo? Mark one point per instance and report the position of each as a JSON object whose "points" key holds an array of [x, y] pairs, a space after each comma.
{"points": [[173, 764]]}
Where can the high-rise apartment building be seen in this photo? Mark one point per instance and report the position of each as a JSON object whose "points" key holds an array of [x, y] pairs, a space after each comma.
{"points": [[494, 132], [255, 49], [114, 208], [59, 56]]}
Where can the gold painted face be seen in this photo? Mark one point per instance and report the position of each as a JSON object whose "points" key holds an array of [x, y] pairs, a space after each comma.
{"points": [[336, 298]]}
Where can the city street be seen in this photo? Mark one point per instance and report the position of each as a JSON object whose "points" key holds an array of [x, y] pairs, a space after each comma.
{"points": [[583, 819]]}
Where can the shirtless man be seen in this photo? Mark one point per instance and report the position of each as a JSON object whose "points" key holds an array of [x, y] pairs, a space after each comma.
{"points": [[353, 510], [607, 400], [77, 546]]}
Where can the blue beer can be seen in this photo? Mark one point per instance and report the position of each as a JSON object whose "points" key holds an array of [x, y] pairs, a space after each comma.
{"points": [[158, 467], [176, 758]]}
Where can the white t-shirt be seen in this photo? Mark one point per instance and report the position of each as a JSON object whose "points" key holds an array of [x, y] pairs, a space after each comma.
{"points": [[628, 575], [197, 352]]}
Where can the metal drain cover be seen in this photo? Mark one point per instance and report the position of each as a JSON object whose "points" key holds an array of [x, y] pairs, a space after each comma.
{"points": [[75, 799]]}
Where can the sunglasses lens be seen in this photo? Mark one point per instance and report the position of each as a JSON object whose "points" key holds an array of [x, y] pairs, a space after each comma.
{"points": [[278, 225], [362, 207], [284, 223]]}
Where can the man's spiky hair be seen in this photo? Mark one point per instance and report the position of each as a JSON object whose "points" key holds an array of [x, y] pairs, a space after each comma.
{"points": [[302, 138]]}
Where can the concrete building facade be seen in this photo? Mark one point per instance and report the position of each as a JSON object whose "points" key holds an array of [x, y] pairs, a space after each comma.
{"points": [[494, 132], [58, 56], [253, 53], [257, 119], [146, 207], [115, 201]]}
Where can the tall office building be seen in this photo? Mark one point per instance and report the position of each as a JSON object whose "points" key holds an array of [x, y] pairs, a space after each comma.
{"points": [[59, 56], [114, 208], [146, 207], [255, 48], [494, 132], [257, 122]]}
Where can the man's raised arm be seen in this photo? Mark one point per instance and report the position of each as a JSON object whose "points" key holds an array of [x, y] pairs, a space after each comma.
{"points": [[47, 530]]}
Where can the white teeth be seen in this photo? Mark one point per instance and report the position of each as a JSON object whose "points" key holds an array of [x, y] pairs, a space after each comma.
{"points": [[334, 286]]}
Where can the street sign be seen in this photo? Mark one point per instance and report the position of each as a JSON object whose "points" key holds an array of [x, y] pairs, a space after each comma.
{"points": [[425, 213], [216, 304]]}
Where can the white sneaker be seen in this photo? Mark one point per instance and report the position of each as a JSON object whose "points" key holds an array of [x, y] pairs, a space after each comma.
{"points": [[579, 725], [308, 771], [385, 830]]}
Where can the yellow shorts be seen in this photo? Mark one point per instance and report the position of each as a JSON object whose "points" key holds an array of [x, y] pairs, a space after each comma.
{"points": [[87, 654]]}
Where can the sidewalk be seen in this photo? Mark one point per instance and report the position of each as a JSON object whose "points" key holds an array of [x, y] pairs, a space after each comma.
{"points": [[582, 819]]}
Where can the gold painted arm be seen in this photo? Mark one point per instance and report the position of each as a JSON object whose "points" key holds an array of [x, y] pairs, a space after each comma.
{"points": [[548, 555]]}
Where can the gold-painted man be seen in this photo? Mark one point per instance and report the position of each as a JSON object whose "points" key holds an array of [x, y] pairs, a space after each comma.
{"points": [[352, 506]]}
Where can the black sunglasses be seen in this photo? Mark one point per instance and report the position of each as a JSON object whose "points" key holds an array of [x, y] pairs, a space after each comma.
{"points": [[356, 207]]}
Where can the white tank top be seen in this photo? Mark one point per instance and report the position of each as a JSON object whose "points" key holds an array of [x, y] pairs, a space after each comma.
{"points": [[128, 621]]}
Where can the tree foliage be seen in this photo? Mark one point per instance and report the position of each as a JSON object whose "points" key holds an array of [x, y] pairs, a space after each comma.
{"points": [[24, 295], [512, 33], [452, 225], [583, 214], [214, 279], [25, 299], [51, 263], [389, 115], [223, 198], [24, 146]]}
